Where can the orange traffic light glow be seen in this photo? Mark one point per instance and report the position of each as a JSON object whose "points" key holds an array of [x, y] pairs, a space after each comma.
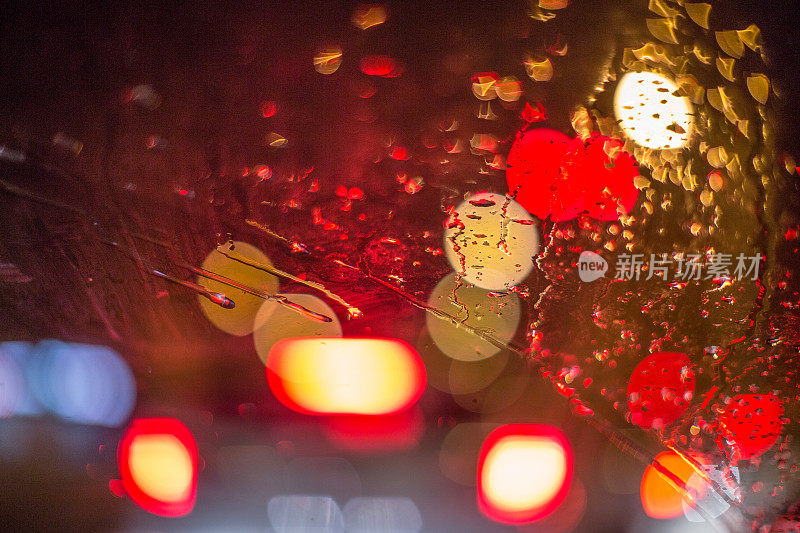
{"points": [[328, 376], [660, 499]]}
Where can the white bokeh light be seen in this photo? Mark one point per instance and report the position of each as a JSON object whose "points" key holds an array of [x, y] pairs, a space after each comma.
{"points": [[707, 498], [300, 512], [651, 113], [498, 315], [492, 241], [371, 514]]}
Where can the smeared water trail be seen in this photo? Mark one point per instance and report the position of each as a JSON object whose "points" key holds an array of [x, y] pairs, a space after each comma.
{"points": [[352, 311], [219, 298], [294, 245]]}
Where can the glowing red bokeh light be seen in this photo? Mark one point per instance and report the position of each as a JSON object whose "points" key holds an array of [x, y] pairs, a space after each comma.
{"points": [[533, 172], [157, 459], [524, 473], [558, 177], [534, 114], [660, 388], [602, 176], [751, 424], [376, 434], [399, 153], [268, 108], [378, 65]]}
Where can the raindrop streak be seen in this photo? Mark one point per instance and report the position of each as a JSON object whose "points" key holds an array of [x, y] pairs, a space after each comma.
{"points": [[482, 202], [352, 311], [503, 245], [216, 297], [454, 296], [454, 222], [703, 473], [434, 311], [23, 193], [10, 273], [294, 245], [462, 259], [282, 300], [643, 456]]}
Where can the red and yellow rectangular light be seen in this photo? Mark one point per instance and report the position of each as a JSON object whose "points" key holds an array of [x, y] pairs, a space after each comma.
{"points": [[524, 473], [330, 376], [157, 460]]}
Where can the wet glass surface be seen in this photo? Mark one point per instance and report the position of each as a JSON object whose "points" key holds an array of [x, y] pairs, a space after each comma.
{"points": [[578, 214]]}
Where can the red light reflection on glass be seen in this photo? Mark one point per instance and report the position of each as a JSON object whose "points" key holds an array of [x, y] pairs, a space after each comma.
{"points": [[376, 434], [157, 460], [524, 472]]}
